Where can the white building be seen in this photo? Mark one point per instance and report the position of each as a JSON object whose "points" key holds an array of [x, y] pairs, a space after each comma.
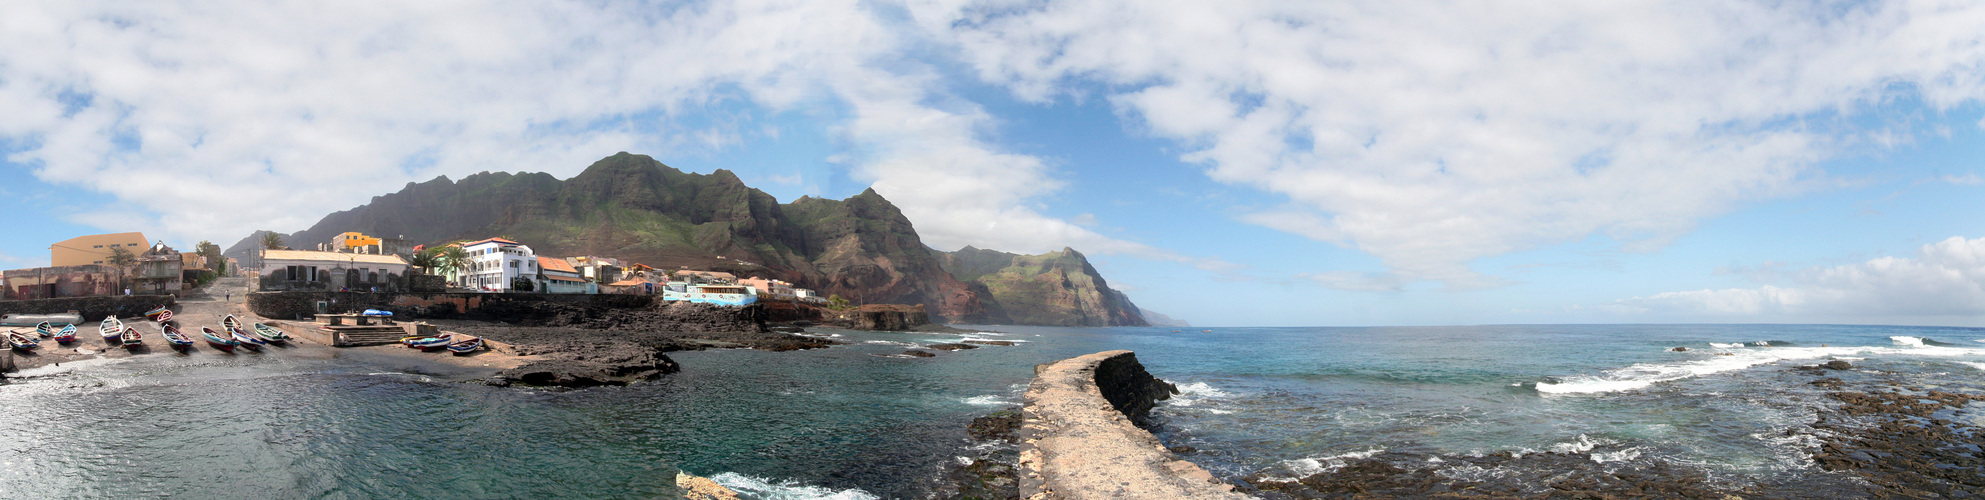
{"points": [[329, 271], [495, 263]]}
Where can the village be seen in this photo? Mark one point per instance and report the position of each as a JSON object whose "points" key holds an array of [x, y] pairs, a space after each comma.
{"points": [[128, 264]]}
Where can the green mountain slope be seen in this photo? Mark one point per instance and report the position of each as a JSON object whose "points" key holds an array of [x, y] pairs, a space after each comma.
{"points": [[1054, 288]]}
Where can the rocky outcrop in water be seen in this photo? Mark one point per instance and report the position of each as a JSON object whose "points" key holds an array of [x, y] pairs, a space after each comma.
{"points": [[589, 363]]}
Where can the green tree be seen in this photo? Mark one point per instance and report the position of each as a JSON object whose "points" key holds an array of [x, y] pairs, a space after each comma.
{"points": [[122, 260], [271, 240], [835, 301], [521, 284], [215, 260]]}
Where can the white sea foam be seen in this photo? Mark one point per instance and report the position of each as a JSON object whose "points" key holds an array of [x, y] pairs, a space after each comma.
{"points": [[1580, 445], [1617, 456], [1725, 346], [989, 400], [977, 339], [892, 342], [1645, 374], [1192, 393], [1307, 466], [762, 488], [1980, 366]]}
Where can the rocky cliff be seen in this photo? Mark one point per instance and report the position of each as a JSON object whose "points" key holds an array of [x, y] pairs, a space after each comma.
{"points": [[636, 209], [1054, 288]]}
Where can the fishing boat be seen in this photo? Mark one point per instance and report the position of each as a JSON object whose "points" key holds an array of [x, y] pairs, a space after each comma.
{"points": [[425, 343], [246, 340], [157, 311], [44, 329], [219, 341], [465, 346], [172, 336], [22, 341], [270, 333], [163, 316], [111, 329], [66, 335], [131, 338], [231, 323]]}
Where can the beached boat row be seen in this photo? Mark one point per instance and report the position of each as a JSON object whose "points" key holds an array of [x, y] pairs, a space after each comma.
{"points": [[458, 344], [233, 334]]}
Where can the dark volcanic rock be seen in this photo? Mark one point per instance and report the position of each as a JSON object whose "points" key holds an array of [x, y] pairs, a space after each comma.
{"points": [[951, 347], [990, 472], [990, 342], [919, 354], [1837, 365], [1680, 349], [884, 318], [615, 363]]}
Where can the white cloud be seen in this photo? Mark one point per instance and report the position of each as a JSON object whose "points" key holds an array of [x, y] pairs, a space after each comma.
{"points": [[1433, 133], [210, 119], [1964, 180], [1945, 279]]}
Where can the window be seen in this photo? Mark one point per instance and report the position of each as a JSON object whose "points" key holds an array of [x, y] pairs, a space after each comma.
{"points": [[98, 246], [513, 264]]}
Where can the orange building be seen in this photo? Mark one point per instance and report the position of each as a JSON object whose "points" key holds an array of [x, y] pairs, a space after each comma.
{"points": [[95, 249]]}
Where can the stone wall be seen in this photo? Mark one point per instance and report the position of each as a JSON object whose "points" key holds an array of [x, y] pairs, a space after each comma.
{"points": [[1080, 438], [92, 308], [293, 305]]}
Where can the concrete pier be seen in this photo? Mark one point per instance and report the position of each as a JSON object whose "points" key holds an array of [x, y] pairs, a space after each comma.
{"points": [[1080, 439]]}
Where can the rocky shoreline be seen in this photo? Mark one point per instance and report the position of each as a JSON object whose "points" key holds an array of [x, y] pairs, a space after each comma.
{"points": [[1883, 438]]}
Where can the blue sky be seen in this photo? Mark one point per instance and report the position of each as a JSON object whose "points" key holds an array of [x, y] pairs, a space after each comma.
{"points": [[1227, 163]]}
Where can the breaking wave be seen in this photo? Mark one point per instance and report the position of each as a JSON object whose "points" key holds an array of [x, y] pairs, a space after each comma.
{"points": [[1642, 375], [767, 489]]}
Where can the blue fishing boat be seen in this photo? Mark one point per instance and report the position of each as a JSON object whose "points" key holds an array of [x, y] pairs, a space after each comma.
{"points": [[44, 329], [22, 341], [465, 346], [111, 329], [179, 341], [425, 343], [219, 341], [66, 335], [245, 340]]}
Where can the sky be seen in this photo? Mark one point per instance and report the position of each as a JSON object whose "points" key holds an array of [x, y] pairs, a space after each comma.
{"points": [[1231, 163]]}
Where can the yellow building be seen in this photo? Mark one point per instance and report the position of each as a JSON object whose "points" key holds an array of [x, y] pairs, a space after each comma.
{"points": [[95, 249], [352, 240]]}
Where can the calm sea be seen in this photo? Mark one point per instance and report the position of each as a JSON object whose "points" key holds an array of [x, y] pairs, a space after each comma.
{"points": [[854, 422]]}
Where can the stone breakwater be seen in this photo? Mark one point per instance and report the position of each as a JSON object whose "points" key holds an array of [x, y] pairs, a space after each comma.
{"points": [[1080, 437]]}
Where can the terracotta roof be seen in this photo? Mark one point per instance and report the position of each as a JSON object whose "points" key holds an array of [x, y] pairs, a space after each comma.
{"points": [[553, 264], [554, 277], [360, 258], [497, 240]]}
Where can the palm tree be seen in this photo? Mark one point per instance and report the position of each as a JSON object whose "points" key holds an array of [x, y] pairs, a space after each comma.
{"points": [[425, 260], [271, 240], [122, 260], [452, 258]]}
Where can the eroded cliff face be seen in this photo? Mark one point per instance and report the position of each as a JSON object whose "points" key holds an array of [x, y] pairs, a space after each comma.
{"points": [[634, 208], [1054, 288]]}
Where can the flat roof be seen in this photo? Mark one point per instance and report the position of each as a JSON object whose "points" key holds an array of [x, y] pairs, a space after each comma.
{"points": [[313, 255]]}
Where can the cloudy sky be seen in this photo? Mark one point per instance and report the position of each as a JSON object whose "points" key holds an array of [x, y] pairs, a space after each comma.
{"points": [[1229, 163]]}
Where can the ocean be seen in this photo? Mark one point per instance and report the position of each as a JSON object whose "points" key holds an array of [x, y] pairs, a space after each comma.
{"points": [[861, 421]]}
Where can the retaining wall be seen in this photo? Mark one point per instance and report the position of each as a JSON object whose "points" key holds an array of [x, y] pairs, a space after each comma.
{"points": [[93, 309], [1081, 439]]}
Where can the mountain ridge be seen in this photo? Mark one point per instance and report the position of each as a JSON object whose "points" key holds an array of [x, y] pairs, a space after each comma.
{"points": [[635, 208]]}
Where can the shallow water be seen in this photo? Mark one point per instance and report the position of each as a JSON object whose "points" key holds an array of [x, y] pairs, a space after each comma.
{"points": [[853, 422]]}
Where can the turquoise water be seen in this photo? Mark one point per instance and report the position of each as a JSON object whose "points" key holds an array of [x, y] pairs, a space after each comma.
{"points": [[853, 422]]}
